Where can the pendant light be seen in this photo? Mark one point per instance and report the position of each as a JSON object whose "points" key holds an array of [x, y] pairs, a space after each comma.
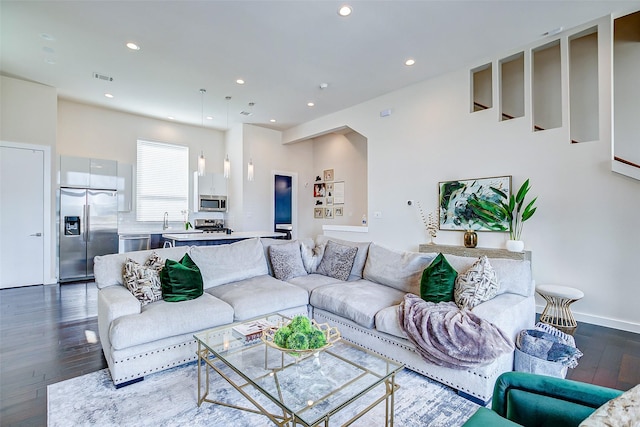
{"points": [[250, 164], [201, 160], [227, 162], [250, 170]]}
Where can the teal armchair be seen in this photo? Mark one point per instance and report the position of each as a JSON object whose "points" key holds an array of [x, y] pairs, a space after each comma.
{"points": [[532, 400]]}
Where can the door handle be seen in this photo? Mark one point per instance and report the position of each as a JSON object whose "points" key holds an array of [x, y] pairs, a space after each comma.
{"points": [[36, 234]]}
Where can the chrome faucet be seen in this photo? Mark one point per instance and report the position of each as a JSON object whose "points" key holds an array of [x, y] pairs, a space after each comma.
{"points": [[165, 222]]}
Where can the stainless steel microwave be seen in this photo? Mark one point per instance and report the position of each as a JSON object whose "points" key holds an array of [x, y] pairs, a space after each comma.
{"points": [[208, 203]]}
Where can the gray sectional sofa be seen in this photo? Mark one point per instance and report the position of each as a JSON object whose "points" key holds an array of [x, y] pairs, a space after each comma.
{"points": [[239, 284]]}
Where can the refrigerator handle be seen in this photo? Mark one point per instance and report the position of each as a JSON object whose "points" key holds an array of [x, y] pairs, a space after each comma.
{"points": [[87, 224], [83, 225]]}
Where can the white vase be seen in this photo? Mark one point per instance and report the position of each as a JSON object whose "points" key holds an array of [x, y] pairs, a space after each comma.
{"points": [[515, 245]]}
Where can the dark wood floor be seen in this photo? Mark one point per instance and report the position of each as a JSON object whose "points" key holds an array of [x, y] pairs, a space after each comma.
{"points": [[49, 334]]}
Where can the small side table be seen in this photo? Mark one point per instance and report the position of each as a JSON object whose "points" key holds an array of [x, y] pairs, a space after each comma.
{"points": [[557, 313]]}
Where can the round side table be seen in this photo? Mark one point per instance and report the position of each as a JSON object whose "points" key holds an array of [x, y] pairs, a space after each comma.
{"points": [[557, 313]]}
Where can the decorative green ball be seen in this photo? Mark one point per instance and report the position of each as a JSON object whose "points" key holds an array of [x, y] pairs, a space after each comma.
{"points": [[317, 339], [298, 341], [281, 336], [301, 324]]}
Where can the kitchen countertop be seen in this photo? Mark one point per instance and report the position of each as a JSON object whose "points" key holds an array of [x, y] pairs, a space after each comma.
{"points": [[186, 237], [135, 232]]}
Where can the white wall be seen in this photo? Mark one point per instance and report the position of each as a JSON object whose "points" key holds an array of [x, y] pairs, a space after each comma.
{"points": [[346, 154], [264, 146], [28, 115], [585, 232]]}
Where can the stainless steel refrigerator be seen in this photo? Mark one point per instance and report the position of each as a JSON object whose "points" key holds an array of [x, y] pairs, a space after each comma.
{"points": [[88, 227]]}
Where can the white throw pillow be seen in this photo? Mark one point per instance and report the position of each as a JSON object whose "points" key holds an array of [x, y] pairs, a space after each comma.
{"points": [[143, 280], [477, 285], [311, 255]]}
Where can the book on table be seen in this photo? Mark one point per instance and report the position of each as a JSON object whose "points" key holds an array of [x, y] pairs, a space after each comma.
{"points": [[250, 331]]}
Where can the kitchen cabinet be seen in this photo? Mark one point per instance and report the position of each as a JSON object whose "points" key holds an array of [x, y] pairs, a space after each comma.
{"points": [[214, 184], [125, 187], [82, 172]]}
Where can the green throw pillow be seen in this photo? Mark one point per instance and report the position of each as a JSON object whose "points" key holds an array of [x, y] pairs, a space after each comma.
{"points": [[438, 281], [181, 281]]}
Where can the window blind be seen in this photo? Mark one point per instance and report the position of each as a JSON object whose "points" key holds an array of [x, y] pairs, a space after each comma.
{"points": [[162, 181]]}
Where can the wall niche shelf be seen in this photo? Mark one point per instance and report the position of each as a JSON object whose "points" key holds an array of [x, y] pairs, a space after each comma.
{"points": [[583, 86], [512, 87], [626, 95], [546, 86], [482, 88]]}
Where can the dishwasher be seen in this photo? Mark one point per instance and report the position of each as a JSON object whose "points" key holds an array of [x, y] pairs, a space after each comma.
{"points": [[134, 242]]}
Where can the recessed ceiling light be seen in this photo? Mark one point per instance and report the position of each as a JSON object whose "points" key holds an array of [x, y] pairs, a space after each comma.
{"points": [[272, 120], [410, 62], [240, 81], [50, 61], [209, 117], [345, 10], [171, 118], [310, 104], [47, 36], [133, 46], [108, 95]]}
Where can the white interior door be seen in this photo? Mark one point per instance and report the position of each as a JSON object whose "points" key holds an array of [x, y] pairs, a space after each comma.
{"points": [[21, 217]]}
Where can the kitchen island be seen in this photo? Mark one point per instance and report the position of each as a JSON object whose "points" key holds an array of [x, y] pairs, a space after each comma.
{"points": [[208, 239]]}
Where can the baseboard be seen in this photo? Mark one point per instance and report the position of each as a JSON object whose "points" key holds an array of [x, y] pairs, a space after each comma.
{"points": [[601, 321]]}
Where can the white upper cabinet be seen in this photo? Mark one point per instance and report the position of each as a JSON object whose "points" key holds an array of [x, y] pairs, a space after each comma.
{"points": [[213, 184], [125, 187], [104, 174], [83, 172]]}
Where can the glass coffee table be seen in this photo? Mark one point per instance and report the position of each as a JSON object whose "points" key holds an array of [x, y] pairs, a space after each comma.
{"points": [[341, 381]]}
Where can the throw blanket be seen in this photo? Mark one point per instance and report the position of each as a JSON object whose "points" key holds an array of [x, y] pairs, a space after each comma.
{"points": [[447, 336]]}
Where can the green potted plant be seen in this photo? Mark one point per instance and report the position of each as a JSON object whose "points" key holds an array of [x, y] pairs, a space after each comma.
{"points": [[507, 209]]}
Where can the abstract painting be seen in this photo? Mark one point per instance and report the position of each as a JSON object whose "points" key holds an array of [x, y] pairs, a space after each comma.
{"points": [[455, 211]]}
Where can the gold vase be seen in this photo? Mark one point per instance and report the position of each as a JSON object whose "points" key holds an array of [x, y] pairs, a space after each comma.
{"points": [[470, 239]]}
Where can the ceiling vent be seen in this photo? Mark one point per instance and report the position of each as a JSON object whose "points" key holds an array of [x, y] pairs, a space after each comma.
{"points": [[246, 113], [102, 77]]}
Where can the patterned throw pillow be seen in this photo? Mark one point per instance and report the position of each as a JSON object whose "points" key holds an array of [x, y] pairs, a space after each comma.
{"points": [[286, 260], [621, 411], [337, 260], [477, 285], [143, 280]]}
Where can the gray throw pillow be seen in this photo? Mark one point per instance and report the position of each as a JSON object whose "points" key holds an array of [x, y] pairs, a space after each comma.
{"points": [[143, 280], [286, 260], [477, 285], [337, 260]]}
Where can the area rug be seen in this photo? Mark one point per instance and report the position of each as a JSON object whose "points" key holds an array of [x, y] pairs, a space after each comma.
{"points": [[169, 398]]}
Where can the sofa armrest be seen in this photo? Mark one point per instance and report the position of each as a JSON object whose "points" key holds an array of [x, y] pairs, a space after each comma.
{"points": [[522, 397], [113, 302], [509, 312], [484, 417]]}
